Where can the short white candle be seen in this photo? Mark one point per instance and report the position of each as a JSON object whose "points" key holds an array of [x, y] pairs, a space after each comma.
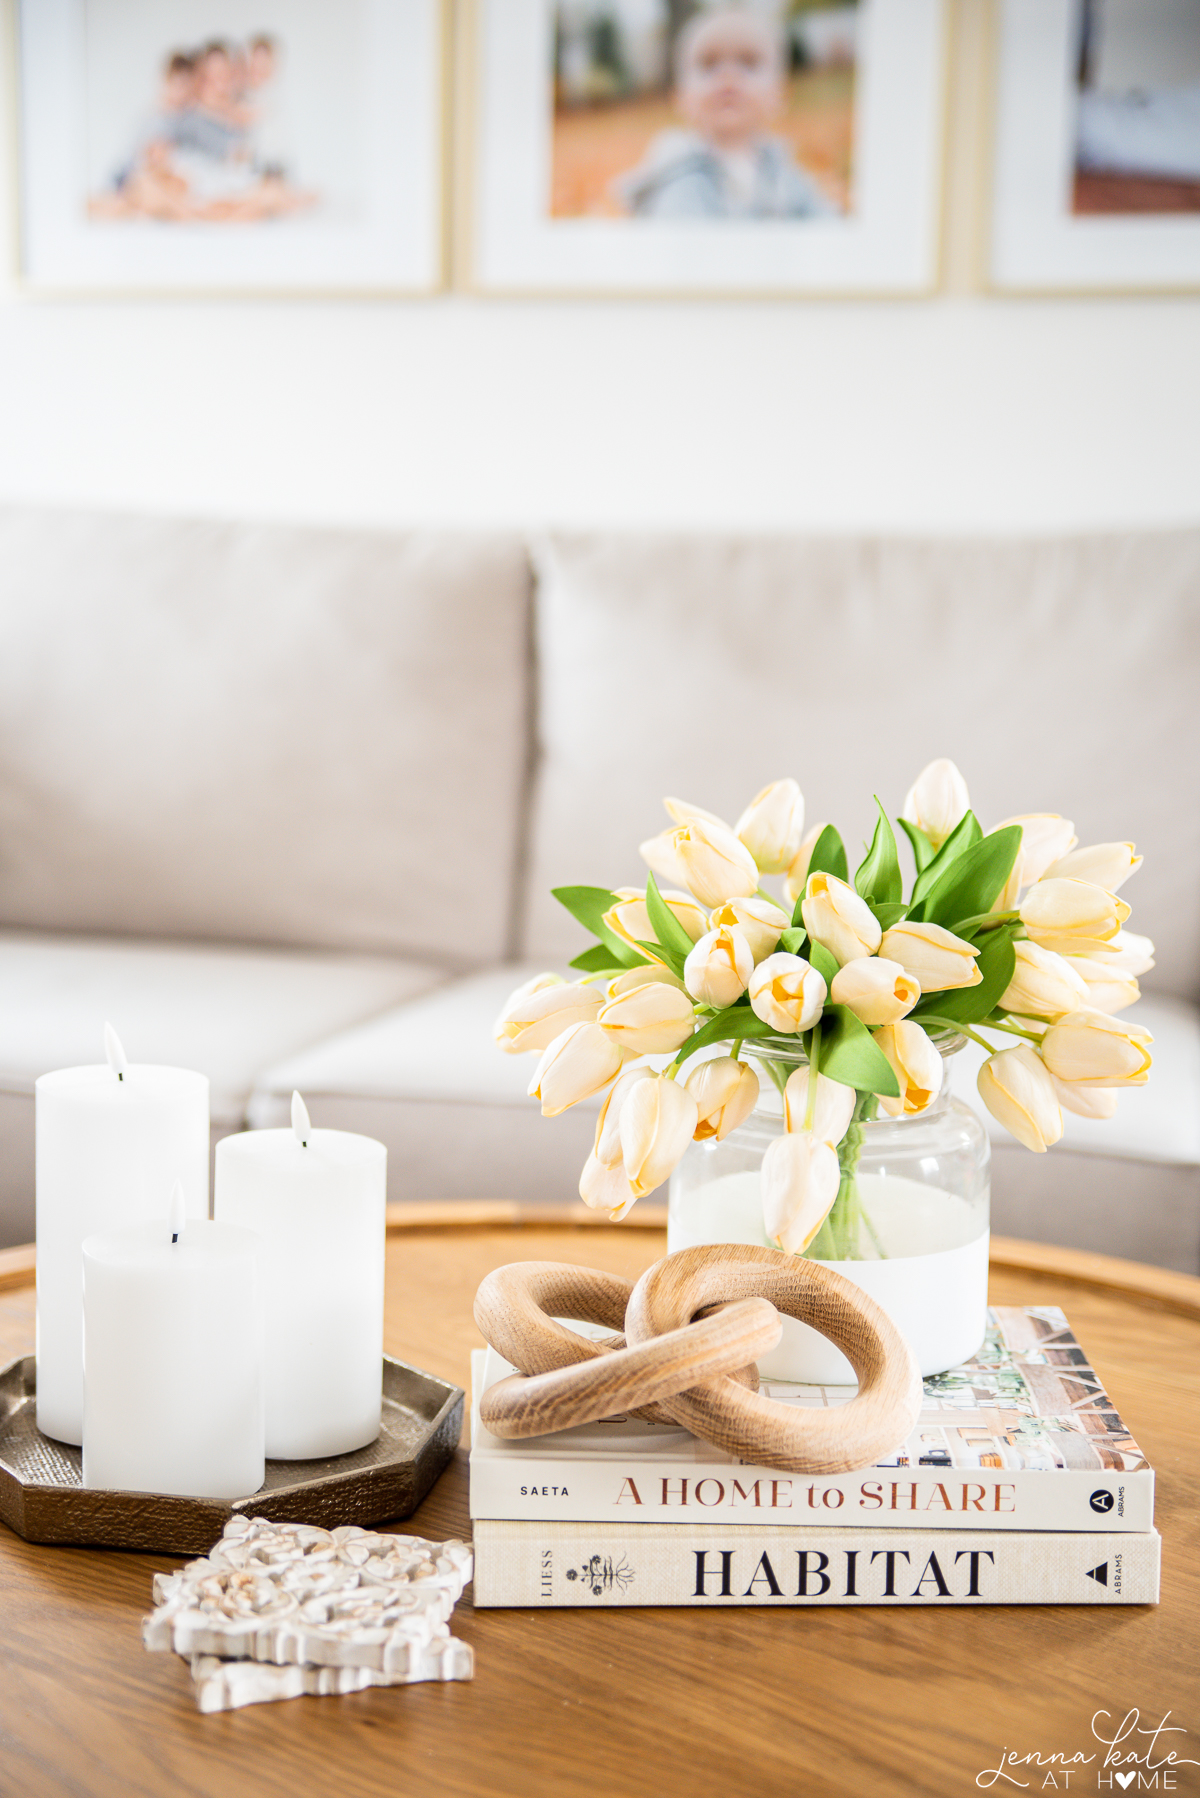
{"points": [[318, 1198], [172, 1342], [111, 1142]]}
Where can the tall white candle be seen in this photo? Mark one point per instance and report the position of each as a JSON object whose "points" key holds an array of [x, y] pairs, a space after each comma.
{"points": [[318, 1199], [111, 1141], [172, 1343]]}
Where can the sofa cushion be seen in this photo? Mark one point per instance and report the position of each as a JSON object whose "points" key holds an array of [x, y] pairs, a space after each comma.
{"points": [[261, 734], [227, 1012], [1060, 675]]}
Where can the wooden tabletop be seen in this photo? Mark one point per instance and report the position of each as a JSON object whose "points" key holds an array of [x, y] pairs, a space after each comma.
{"points": [[637, 1703]]}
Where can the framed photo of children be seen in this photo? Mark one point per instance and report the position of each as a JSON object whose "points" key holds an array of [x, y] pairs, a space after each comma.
{"points": [[707, 146], [1096, 181], [231, 145]]}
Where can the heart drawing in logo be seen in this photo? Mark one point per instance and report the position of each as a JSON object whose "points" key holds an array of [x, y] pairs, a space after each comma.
{"points": [[1125, 1780]]}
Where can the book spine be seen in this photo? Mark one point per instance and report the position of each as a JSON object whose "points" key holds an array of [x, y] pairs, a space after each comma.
{"points": [[609, 1564]]}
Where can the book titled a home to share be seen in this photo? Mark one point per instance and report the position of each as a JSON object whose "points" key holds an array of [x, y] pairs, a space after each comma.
{"points": [[1023, 1437]]}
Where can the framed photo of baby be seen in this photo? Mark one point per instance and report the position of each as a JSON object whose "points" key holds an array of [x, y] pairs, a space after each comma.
{"points": [[231, 145], [707, 146]]}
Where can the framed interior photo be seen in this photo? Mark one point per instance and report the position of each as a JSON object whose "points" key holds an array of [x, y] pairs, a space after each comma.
{"points": [[226, 145], [707, 147], [1096, 180]]}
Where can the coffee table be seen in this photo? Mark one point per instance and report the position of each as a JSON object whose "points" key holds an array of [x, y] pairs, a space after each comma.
{"points": [[637, 1703]]}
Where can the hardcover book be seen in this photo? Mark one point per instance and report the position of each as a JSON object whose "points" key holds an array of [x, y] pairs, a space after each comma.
{"points": [[1021, 1437]]}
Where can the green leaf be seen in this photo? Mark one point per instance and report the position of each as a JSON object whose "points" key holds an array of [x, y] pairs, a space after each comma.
{"points": [[792, 941], [850, 1055], [797, 914], [736, 1022], [879, 875], [829, 855], [588, 905], [922, 848], [826, 964], [971, 1004], [964, 836], [974, 882], [887, 915], [659, 952], [665, 924], [597, 960]]}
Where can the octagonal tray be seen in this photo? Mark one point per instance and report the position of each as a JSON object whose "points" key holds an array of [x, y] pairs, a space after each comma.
{"points": [[42, 1496]]}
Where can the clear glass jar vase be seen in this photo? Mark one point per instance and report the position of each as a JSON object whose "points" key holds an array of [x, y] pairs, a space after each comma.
{"points": [[909, 1224]]}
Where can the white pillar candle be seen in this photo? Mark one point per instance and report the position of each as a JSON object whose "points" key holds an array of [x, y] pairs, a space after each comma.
{"points": [[111, 1141], [318, 1199], [172, 1344]]}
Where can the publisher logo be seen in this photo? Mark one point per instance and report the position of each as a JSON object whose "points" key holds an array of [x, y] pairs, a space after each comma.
{"points": [[1102, 1500]]}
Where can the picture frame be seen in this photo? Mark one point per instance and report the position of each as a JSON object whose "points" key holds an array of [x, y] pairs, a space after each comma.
{"points": [[883, 237], [1096, 164], [224, 146]]}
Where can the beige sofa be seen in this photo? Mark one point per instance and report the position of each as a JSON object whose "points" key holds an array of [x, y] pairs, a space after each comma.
{"points": [[287, 805]]}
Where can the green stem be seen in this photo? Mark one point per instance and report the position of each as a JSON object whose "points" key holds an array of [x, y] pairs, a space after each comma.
{"points": [[961, 1030], [1014, 1030], [736, 1048], [814, 1069]]}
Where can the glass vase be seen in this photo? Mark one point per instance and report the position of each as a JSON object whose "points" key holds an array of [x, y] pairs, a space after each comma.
{"points": [[909, 1224]]}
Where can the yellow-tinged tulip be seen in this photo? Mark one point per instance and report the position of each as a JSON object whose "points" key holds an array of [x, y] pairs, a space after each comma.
{"points": [[838, 919], [1044, 985], [1092, 1049], [1072, 917], [1018, 1091], [726, 1092], [651, 1019], [1086, 1101], [630, 919], [832, 1112], [876, 990], [658, 1121], [716, 864], [643, 975], [1132, 953], [916, 1065], [937, 800], [718, 969], [772, 825], [541, 1010], [575, 1065], [760, 921], [1106, 865], [607, 1144], [939, 960], [1045, 839], [606, 1188], [659, 854], [797, 874], [683, 812], [1105, 988], [800, 1179], [787, 993]]}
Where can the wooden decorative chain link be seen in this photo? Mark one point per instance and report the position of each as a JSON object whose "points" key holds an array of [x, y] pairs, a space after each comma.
{"points": [[694, 1325]]}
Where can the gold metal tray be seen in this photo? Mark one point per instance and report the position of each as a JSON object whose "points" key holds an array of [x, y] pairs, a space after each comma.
{"points": [[42, 1496]]}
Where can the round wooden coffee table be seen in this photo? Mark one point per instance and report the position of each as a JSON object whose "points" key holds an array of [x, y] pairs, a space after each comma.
{"points": [[639, 1703]]}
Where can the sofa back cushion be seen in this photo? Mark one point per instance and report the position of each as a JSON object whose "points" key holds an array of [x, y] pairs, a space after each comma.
{"points": [[262, 734], [1060, 675]]}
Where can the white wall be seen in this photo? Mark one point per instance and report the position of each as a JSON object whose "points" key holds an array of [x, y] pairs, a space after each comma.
{"points": [[956, 414]]}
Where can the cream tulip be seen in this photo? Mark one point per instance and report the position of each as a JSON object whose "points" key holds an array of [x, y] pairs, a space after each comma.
{"points": [[1018, 1090], [643, 975], [760, 921], [797, 874], [718, 969], [575, 1065], [662, 858], [832, 1111], [1132, 953], [630, 919], [916, 1065], [800, 1179], [606, 1188], [1086, 1101], [876, 990], [658, 1121], [937, 800], [652, 1019], [1091, 1049], [1105, 989], [726, 1092], [787, 993], [1045, 839], [772, 826], [1044, 985], [1072, 917], [939, 960], [1106, 865], [716, 864], [838, 919], [682, 811], [606, 1145], [541, 1010]]}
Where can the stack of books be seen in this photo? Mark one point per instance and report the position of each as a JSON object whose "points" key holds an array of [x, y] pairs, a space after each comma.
{"points": [[1020, 1484]]}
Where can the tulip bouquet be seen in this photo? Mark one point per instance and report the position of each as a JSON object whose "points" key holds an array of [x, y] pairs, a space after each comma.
{"points": [[1016, 932]]}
